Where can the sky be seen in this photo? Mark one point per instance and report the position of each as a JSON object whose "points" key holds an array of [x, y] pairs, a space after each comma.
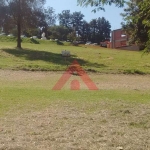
{"points": [[112, 13]]}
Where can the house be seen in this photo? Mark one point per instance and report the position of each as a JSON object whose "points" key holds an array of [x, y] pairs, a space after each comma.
{"points": [[120, 40]]}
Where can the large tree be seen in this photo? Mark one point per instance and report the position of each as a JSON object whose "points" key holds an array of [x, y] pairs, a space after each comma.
{"points": [[133, 22], [103, 29], [96, 30], [65, 18], [58, 32], [47, 19], [76, 21], [50, 16], [145, 13], [23, 13], [72, 21], [99, 30], [5, 18], [85, 31], [93, 30]]}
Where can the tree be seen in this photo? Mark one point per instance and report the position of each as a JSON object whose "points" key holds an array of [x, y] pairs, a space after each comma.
{"points": [[96, 31], [98, 4], [50, 16], [93, 28], [76, 22], [145, 7], [72, 36], [85, 31], [5, 19], [72, 21], [99, 30], [58, 32], [133, 24], [104, 29], [65, 18], [23, 14], [2, 10], [46, 20]]}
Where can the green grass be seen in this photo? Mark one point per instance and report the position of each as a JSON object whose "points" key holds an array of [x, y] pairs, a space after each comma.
{"points": [[46, 56], [33, 115], [21, 92], [32, 41], [33, 97]]}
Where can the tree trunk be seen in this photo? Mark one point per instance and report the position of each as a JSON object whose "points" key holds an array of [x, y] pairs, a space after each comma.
{"points": [[19, 25], [18, 35]]}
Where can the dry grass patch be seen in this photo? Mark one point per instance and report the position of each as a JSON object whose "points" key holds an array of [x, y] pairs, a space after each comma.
{"points": [[37, 118], [90, 126]]}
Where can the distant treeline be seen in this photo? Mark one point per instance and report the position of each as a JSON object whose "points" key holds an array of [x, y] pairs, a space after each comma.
{"points": [[34, 19]]}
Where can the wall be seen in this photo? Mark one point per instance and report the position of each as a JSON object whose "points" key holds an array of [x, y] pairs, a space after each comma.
{"points": [[119, 39]]}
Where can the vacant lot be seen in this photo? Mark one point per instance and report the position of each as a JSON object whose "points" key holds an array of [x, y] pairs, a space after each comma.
{"points": [[35, 117]]}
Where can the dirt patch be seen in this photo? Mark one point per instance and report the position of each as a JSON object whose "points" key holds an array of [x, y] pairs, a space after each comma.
{"points": [[103, 81]]}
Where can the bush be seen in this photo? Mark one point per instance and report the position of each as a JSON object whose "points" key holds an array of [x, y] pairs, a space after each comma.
{"points": [[75, 43], [7, 39], [59, 43]]}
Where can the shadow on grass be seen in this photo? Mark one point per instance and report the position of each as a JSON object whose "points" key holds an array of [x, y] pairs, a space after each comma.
{"points": [[33, 55], [34, 41]]}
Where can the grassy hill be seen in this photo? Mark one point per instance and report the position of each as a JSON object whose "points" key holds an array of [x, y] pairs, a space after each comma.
{"points": [[38, 55]]}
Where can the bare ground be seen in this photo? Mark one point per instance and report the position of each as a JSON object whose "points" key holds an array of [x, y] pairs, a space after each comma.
{"points": [[67, 126], [103, 81]]}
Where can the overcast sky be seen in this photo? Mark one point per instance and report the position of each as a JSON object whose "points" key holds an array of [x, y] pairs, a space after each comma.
{"points": [[112, 13]]}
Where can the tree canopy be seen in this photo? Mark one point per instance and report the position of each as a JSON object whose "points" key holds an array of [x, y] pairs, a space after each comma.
{"points": [[65, 18], [21, 13], [31, 18], [145, 13], [136, 22], [96, 31], [99, 4]]}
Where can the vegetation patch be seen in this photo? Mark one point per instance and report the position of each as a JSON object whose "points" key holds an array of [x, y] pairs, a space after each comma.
{"points": [[134, 72], [47, 56], [8, 39]]}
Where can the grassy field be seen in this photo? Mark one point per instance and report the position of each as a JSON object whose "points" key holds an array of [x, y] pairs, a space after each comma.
{"points": [[26, 89], [47, 57], [33, 116]]}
